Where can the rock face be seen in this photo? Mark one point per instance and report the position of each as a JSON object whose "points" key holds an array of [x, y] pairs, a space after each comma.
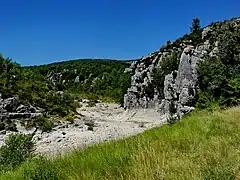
{"points": [[180, 86], [12, 110], [140, 94]]}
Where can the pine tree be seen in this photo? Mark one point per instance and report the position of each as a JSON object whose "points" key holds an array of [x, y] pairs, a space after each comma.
{"points": [[195, 25]]}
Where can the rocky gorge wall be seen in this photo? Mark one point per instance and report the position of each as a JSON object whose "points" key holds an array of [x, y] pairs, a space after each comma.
{"points": [[180, 86]]}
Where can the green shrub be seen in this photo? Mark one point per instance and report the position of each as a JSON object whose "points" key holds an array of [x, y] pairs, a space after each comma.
{"points": [[70, 119], [43, 123], [17, 148], [58, 110], [219, 77]]}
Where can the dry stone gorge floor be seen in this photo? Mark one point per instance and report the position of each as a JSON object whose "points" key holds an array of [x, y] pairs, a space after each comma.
{"points": [[110, 122]]}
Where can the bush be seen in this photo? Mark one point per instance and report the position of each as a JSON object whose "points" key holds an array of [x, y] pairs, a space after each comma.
{"points": [[17, 148], [43, 123], [219, 77], [70, 119]]}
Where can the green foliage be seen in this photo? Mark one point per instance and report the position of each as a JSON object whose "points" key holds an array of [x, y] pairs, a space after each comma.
{"points": [[229, 48], [103, 79], [212, 76], [195, 25], [43, 123], [98, 79], [205, 100], [70, 119], [17, 149], [231, 94], [33, 88], [219, 76], [60, 104]]}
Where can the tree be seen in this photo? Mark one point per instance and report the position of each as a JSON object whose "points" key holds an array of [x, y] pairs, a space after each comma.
{"points": [[219, 77], [195, 25]]}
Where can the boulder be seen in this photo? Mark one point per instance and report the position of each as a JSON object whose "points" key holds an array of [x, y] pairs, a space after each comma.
{"points": [[128, 70], [9, 104], [130, 100], [22, 109], [77, 79]]}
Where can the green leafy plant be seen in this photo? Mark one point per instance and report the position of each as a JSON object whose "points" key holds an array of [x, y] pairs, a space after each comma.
{"points": [[17, 148], [43, 123], [219, 76]]}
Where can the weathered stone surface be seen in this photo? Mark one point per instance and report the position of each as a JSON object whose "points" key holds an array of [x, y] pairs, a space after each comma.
{"points": [[206, 32], [10, 104], [136, 96], [178, 94], [215, 50], [11, 110], [130, 100], [76, 80], [179, 90], [127, 70], [170, 87]]}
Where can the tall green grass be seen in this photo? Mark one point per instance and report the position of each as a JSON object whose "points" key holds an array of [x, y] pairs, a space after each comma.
{"points": [[203, 145]]}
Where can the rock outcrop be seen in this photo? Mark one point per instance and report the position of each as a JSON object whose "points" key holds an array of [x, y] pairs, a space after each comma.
{"points": [[11, 110], [140, 94], [180, 86]]}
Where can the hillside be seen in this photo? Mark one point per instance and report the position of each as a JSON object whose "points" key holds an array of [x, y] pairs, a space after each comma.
{"points": [[203, 145], [89, 78]]}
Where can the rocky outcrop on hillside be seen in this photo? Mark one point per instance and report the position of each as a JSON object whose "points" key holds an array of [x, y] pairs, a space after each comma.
{"points": [[178, 94], [11, 110]]}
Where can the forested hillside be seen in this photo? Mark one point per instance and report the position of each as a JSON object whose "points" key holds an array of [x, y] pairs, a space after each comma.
{"points": [[91, 78], [54, 87], [32, 89]]}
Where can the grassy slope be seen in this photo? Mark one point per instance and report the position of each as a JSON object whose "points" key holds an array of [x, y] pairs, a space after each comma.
{"points": [[203, 145]]}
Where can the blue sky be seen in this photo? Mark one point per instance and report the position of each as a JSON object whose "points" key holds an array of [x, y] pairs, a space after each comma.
{"points": [[45, 31]]}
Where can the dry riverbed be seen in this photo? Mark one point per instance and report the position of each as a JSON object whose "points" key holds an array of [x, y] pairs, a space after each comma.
{"points": [[105, 121]]}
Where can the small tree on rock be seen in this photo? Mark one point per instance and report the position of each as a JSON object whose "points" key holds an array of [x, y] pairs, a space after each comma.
{"points": [[195, 25]]}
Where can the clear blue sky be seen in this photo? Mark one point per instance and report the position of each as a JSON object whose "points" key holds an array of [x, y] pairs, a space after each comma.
{"points": [[45, 31]]}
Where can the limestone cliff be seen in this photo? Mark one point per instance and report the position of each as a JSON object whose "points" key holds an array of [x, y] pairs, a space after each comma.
{"points": [[177, 96]]}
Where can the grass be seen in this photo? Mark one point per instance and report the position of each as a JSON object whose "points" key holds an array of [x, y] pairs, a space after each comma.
{"points": [[203, 145]]}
